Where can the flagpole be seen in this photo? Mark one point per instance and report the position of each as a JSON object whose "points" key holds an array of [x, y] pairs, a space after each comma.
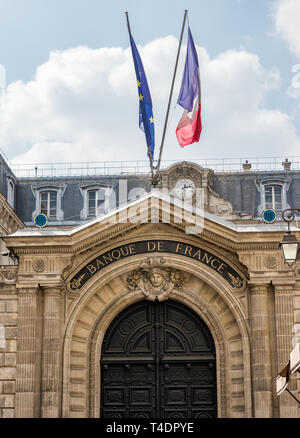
{"points": [[149, 151], [171, 93], [292, 395]]}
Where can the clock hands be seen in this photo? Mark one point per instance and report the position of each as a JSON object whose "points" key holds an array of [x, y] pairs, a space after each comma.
{"points": [[184, 189], [187, 187]]}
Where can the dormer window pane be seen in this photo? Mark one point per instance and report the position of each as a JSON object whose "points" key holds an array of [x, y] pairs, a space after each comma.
{"points": [[44, 203], [49, 204], [268, 197], [273, 197], [92, 195], [277, 192]]}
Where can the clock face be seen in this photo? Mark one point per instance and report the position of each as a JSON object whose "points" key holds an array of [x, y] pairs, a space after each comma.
{"points": [[184, 188]]}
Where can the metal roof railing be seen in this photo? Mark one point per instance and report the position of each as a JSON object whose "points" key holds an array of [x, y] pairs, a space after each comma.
{"points": [[114, 168]]}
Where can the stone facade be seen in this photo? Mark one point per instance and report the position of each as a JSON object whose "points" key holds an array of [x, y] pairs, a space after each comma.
{"points": [[8, 341], [57, 303]]}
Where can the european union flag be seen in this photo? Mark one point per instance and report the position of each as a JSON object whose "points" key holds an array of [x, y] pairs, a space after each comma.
{"points": [[146, 121]]}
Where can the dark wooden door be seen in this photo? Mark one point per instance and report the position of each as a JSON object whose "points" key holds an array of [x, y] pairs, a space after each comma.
{"points": [[158, 361]]}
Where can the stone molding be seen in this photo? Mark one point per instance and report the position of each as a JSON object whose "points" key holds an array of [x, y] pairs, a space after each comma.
{"points": [[283, 288], [26, 290], [8, 274], [102, 233], [53, 291], [39, 265], [258, 288]]}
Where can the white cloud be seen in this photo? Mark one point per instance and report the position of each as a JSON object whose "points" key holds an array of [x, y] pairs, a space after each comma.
{"points": [[286, 16], [82, 106], [287, 19]]}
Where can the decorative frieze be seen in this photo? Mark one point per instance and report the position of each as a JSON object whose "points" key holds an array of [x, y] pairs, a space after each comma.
{"points": [[270, 262], [261, 261], [39, 265], [8, 274]]}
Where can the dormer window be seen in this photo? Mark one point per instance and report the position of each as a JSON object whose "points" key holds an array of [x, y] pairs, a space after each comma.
{"points": [[273, 197], [97, 200], [48, 201], [273, 194]]}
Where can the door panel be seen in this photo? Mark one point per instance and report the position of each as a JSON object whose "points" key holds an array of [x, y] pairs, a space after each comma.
{"points": [[158, 361]]}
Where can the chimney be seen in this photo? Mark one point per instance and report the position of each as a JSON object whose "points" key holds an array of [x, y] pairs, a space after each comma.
{"points": [[247, 165], [286, 164]]}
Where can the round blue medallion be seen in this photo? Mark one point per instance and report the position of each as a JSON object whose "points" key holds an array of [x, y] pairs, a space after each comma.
{"points": [[40, 220], [269, 216]]}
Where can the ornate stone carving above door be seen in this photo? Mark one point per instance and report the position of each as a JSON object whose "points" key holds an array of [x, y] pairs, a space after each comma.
{"points": [[155, 280]]}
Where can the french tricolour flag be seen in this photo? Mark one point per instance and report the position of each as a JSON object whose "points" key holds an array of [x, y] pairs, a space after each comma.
{"points": [[189, 128]]}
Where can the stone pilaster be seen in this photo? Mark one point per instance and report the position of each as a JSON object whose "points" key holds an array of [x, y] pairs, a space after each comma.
{"points": [[28, 354], [261, 351], [51, 355], [284, 334]]}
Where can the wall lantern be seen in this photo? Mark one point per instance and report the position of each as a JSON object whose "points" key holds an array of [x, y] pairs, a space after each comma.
{"points": [[289, 247], [289, 244]]}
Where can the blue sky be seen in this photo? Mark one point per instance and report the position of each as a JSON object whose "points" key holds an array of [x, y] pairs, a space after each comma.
{"points": [[250, 41], [31, 29]]}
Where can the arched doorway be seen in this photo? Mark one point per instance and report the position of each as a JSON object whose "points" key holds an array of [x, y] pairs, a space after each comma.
{"points": [[158, 361]]}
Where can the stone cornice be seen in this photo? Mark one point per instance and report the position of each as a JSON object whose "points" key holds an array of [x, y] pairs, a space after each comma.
{"points": [[221, 233], [283, 284], [235, 245], [65, 244]]}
